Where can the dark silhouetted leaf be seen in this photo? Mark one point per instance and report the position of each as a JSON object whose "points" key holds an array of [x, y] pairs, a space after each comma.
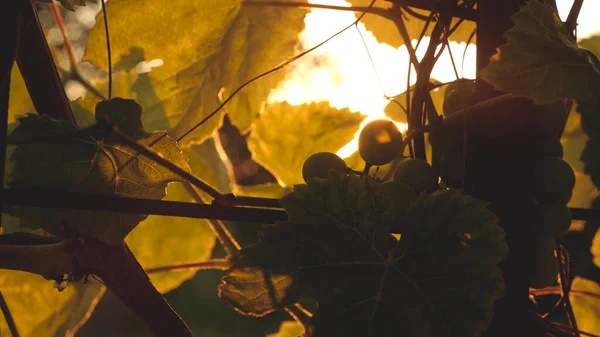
{"points": [[90, 164], [440, 279], [541, 61]]}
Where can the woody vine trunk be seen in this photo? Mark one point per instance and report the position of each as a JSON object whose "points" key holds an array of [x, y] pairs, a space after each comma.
{"points": [[502, 146]]}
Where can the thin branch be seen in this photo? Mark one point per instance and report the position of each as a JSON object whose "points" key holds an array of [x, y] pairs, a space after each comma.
{"points": [[299, 313], [38, 68], [571, 22], [272, 70], [424, 74], [466, 13], [73, 72], [214, 264], [12, 327], [224, 236], [9, 39], [47, 198], [35, 254], [555, 290], [296, 4], [58, 18], [109, 59]]}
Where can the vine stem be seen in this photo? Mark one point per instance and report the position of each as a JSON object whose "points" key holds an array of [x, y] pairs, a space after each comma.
{"points": [[555, 290], [571, 22], [296, 4], [214, 264], [58, 18], [47, 198], [12, 327], [9, 37], [226, 239], [38, 68]]}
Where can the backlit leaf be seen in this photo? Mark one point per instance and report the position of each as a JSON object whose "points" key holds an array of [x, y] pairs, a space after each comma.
{"points": [[204, 46], [586, 307], [284, 136], [288, 329], [90, 164], [161, 240], [385, 30], [541, 61], [440, 279], [40, 310]]}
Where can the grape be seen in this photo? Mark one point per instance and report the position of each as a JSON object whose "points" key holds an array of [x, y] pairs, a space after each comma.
{"points": [[461, 84], [417, 174], [553, 220], [319, 164], [554, 180], [379, 142], [544, 268], [456, 100], [458, 95]]}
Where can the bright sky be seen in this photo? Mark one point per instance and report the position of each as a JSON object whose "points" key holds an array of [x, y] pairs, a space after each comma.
{"points": [[341, 72]]}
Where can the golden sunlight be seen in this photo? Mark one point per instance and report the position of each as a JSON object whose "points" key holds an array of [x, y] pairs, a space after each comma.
{"points": [[342, 73]]}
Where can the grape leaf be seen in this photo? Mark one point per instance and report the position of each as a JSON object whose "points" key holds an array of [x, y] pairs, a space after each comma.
{"points": [[161, 240], [440, 279], [90, 164], [585, 307], [288, 329], [541, 61], [205, 46], [70, 4], [284, 136], [40, 310], [269, 190], [385, 30], [19, 102]]}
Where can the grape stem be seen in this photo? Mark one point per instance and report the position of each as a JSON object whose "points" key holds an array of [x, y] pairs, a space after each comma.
{"points": [[214, 264]]}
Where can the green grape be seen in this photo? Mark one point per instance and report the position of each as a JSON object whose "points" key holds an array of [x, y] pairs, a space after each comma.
{"points": [[552, 220], [379, 142], [418, 175], [554, 180], [319, 164], [544, 267], [458, 95], [461, 84]]}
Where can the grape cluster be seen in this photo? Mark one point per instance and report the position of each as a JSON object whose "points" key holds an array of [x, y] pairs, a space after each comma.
{"points": [[554, 181]]}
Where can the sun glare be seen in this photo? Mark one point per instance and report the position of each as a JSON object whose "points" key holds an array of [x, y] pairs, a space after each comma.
{"points": [[341, 71]]}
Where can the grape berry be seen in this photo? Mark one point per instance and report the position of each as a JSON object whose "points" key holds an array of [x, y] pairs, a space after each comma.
{"points": [[379, 142]]}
